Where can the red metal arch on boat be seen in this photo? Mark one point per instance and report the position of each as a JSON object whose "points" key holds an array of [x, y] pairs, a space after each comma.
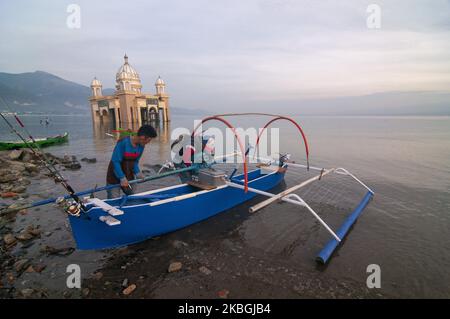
{"points": [[293, 122], [241, 146]]}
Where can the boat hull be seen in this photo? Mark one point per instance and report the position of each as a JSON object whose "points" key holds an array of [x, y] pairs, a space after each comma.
{"points": [[143, 221], [44, 142]]}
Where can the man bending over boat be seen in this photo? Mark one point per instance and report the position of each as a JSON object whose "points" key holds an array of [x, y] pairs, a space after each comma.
{"points": [[124, 164]]}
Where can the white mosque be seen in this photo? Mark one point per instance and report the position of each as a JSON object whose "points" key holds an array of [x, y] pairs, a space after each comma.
{"points": [[128, 105]]}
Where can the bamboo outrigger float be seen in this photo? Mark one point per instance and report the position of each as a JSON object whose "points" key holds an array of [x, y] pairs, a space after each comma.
{"points": [[101, 224]]}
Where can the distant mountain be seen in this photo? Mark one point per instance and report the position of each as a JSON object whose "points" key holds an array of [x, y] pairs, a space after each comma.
{"points": [[384, 103], [43, 92]]}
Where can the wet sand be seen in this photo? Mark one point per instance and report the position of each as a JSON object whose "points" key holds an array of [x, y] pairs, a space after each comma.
{"points": [[216, 263]]}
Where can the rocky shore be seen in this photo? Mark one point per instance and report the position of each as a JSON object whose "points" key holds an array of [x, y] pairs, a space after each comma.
{"points": [[19, 168]]}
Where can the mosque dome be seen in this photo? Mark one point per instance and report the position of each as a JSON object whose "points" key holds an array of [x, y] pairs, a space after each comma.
{"points": [[96, 82], [127, 72], [159, 81]]}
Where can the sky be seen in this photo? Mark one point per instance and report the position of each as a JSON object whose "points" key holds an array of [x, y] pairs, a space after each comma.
{"points": [[234, 53]]}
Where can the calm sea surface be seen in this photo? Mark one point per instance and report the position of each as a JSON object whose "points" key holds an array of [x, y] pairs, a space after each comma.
{"points": [[405, 229]]}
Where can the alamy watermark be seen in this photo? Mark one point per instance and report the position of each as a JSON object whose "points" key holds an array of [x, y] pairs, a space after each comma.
{"points": [[73, 20], [374, 279], [374, 19], [265, 143], [74, 278]]}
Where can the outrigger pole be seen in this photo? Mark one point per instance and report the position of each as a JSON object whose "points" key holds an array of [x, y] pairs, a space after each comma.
{"points": [[288, 196]]}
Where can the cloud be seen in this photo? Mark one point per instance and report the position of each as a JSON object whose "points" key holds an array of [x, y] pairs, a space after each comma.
{"points": [[226, 54]]}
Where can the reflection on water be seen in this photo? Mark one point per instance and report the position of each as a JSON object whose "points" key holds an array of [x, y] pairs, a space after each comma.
{"points": [[404, 229]]}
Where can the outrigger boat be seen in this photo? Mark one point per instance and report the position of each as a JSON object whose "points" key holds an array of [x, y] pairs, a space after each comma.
{"points": [[41, 142], [101, 224]]}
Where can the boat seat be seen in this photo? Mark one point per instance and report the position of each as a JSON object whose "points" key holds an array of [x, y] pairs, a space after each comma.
{"points": [[109, 220], [104, 206]]}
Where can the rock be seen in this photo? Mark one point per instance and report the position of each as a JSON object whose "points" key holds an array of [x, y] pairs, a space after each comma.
{"points": [[179, 244], [14, 208], [18, 189], [27, 292], [15, 155], [26, 245], [85, 292], [30, 269], [34, 231], [57, 251], [16, 166], [66, 159], [125, 283], [223, 294], [47, 233], [129, 289], [24, 236], [23, 181], [10, 278], [21, 264], [27, 156], [205, 270], [8, 177], [73, 166], [9, 195], [175, 266], [98, 275], [31, 168], [39, 267], [89, 160], [9, 239]]}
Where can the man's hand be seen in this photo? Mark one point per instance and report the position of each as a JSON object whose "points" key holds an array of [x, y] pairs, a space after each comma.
{"points": [[140, 175], [124, 183]]}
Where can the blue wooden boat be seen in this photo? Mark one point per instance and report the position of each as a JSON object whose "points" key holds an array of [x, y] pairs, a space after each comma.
{"points": [[157, 212], [103, 224]]}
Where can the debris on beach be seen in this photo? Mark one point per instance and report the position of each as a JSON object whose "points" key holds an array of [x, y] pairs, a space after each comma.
{"points": [[175, 266], [223, 294], [205, 270], [129, 289]]}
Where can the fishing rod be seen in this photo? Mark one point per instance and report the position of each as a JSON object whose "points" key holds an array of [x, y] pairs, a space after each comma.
{"points": [[72, 209], [108, 187], [104, 188]]}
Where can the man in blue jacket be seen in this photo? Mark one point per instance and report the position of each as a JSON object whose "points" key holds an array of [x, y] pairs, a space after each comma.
{"points": [[124, 164]]}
